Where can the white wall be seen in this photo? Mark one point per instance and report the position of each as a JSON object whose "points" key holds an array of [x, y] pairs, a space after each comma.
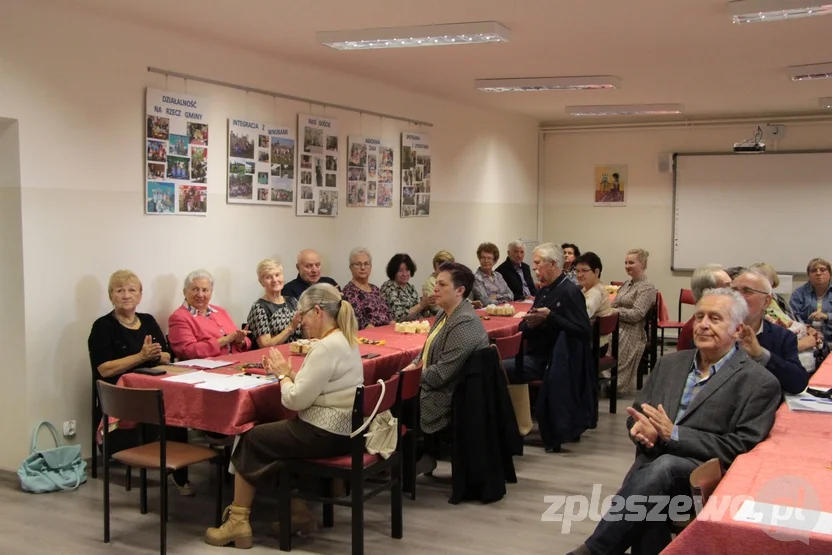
{"points": [[76, 84], [646, 221]]}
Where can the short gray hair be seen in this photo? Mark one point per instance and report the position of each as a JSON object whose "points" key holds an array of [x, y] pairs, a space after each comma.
{"points": [[198, 274], [703, 278], [551, 252], [739, 308], [360, 250], [516, 245], [760, 274]]}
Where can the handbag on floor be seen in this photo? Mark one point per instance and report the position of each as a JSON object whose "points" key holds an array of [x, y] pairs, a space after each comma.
{"points": [[521, 403], [48, 470]]}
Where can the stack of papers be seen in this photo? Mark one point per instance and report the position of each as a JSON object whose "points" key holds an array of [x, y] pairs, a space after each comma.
{"points": [[203, 363], [220, 382], [808, 403]]}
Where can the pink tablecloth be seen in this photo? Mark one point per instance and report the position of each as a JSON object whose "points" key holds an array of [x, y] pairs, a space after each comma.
{"points": [[791, 468]]}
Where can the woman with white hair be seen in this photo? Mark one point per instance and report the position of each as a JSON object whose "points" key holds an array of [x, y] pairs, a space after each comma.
{"points": [[370, 307], [273, 318], [634, 300], [198, 329]]}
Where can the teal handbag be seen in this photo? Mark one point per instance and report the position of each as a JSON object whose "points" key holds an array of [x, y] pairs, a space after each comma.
{"points": [[58, 469]]}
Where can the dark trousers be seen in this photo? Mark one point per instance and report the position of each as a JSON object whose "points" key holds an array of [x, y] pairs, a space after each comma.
{"points": [[533, 369], [667, 475]]}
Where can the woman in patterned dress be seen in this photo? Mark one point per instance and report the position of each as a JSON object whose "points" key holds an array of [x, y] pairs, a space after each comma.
{"points": [[490, 287], [273, 318], [634, 300], [401, 296], [371, 309]]}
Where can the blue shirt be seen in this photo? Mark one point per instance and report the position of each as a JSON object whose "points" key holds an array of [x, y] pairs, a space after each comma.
{"points": [[694, 385], [804, 301]]}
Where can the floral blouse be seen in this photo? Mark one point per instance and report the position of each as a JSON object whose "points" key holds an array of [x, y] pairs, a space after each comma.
{"points": [[369, 306], [400, 299], [491, 290]]}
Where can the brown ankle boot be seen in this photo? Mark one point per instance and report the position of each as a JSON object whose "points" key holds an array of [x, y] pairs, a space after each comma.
{"points": [[235, 528], [303, 523]]}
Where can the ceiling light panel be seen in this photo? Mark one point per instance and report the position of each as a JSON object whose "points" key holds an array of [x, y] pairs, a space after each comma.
{"points": [[761, 11], [410, 37], [810, 72], [626, 110], [549, 84]]}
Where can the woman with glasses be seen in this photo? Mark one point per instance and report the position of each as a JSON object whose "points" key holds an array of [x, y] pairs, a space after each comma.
{"points": [[812, 301], [322, 392], [490, 287], [588, 271], [369, 304]]}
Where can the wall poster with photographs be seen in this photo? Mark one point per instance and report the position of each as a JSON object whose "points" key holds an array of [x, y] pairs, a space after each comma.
{"points": [[176, 154], [261, 163], [317, 193], [415, 198], [369, 173]]}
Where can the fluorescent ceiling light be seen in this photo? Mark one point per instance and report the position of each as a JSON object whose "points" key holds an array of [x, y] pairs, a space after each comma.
{"points": [[826, 102], [408, 37], [549, 84], [810, 72], [756, 11], [626, 110]]}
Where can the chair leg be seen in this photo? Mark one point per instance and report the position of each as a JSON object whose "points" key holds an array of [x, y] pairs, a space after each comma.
{"points": [[94, 452], [329, 515], [163, 502], [106, 498], [662, 343], [396, 502], [220, 477], [129, 479], [357, 483], [143, 494], [613, 389], [284, 510]]}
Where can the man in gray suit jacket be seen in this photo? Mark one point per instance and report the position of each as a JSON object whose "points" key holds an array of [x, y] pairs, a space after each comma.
{"points": [[711, 402]]}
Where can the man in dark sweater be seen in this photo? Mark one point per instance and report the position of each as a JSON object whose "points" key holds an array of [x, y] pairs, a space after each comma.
{"points": [[517, 273], [309, 273]]}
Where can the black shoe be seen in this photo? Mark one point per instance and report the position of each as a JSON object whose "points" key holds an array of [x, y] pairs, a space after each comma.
{"points": [[553, 449], [425, 465]]}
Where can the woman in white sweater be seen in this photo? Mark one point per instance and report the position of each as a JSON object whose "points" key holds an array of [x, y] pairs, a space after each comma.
{"points": [[321, 391]]}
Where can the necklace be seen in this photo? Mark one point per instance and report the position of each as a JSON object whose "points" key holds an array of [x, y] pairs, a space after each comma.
{"points": [[331, 330], [128, 324]]}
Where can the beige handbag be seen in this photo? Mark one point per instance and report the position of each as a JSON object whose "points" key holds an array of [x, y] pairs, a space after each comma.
{"points": [[519, 394], [381, 438]]}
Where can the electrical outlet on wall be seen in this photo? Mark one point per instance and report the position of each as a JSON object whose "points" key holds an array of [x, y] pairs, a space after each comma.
{"points": [[69, 428]]}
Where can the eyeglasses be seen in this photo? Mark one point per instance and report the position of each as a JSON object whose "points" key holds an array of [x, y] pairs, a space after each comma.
{"points": [[747, 291], [819, 270], [361, 264], [583, 271]]}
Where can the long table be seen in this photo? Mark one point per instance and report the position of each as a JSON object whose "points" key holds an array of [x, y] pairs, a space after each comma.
{"points": [[791, 468], [235, 412]]}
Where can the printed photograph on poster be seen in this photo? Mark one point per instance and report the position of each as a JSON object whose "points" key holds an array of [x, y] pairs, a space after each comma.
{"points": [[370, 168], [261, 163], [317, 183], [610, 185], [415, 175], [176, 169]]}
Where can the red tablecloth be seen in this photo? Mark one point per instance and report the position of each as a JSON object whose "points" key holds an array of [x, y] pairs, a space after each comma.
{"points": [[791, 468], [235, 412]]}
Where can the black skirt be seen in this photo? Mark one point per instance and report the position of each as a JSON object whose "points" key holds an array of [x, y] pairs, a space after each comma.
{"points": [[263, 451]]}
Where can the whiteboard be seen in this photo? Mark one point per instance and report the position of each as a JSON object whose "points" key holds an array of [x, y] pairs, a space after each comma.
{"points": [[738, 209]]}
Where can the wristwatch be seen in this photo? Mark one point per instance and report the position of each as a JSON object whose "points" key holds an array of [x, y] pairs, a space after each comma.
{"points": [[281, 377]]}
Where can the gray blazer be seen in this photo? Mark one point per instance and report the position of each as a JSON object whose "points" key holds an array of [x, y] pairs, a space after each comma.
{"points": [[462, 334], [729, 416]]}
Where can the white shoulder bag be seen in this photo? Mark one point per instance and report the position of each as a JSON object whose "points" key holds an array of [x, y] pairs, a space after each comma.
{"points": [[381, 437]]}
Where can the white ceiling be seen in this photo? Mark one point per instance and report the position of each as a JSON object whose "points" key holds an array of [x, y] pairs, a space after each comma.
{"points": [[664, 51]]}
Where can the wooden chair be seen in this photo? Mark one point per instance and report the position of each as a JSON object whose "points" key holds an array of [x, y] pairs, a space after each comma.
{"points": [[357, 468], [94, 422], [703, 480], [666, 324], [685, 297], [410, 384], [607, 325], [147, 406], [509, 347]]}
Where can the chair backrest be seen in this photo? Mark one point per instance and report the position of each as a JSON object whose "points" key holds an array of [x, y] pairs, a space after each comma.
{"points": [[661, 307], [618, 283], [143, 406], [509, 346], [373, 392], [685, 297], [607, 324], [706, 477], [410, 382]]}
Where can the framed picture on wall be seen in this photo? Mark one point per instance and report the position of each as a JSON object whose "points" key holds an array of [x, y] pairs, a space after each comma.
{"points": [[610, 185]]}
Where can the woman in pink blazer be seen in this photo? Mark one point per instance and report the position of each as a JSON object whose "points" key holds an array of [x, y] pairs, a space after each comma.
{"points": [[198, 329]]}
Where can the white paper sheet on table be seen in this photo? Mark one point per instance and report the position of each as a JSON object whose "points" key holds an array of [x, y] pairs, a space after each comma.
{"points": [[203, 363], [198, 376], [784, 516], [804, 402], [233, 383]]}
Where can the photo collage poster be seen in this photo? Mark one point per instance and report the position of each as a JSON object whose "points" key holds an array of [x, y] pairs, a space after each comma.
{"points": [[317, 193], [176, 160], [369, 173], [415, 197], [261, 163]]}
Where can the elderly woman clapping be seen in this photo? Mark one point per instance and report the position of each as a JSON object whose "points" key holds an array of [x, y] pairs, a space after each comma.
{"points": [[273, 318], [199, 329], [366, 299]]}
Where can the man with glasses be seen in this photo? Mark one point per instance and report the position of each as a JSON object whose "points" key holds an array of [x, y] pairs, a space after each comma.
{"points": [[768, 344]]}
